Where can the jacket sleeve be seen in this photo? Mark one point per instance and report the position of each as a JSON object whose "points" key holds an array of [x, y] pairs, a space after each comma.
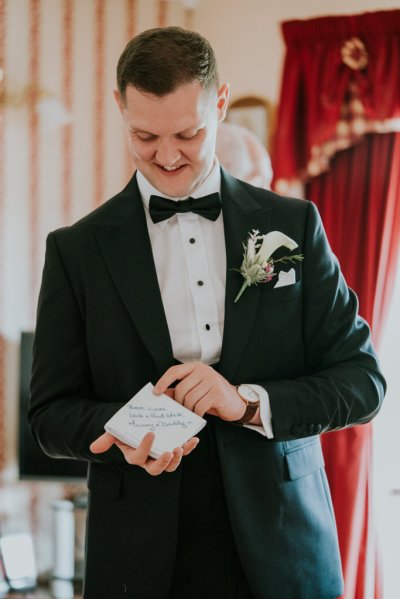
{"points": [[63, 414], [343, 385]]}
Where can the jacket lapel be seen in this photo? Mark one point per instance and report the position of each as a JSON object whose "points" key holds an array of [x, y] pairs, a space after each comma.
{"points": [[242, 213], [125, 245]]}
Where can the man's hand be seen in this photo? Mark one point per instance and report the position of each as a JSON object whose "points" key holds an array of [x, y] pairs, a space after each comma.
{"points": [[168, 462], [202, 390]]}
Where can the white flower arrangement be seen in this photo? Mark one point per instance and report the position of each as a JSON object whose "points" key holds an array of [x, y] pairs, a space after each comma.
{"points": [[258, 266]]}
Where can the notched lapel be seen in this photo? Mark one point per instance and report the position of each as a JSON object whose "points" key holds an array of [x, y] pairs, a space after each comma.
{"points": [[126, 250], [242, 213]]}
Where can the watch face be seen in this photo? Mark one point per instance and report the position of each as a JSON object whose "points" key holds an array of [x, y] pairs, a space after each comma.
{"points": [[249, 394]]}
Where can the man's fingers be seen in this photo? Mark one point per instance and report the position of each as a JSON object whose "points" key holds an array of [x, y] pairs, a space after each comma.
{"points": [[141, 454], [203, 405], [190, 445], [170, 393], [168, 462], [102, 443], [156, 467], [190, 389], [176, 460], [175, 373]]}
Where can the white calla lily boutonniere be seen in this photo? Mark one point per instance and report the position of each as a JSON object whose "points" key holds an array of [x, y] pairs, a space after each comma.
{"points": [[258, 266]]}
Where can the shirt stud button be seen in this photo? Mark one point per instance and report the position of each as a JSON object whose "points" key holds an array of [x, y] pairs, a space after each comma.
{"points": [[192, 240], [208, 327], [200, 283]]}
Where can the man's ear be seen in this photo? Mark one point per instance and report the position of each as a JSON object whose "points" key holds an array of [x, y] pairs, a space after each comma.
{"points": [[222, 101], [118, 99]]}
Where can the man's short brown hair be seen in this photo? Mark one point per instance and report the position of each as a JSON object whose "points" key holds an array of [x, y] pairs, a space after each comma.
{"points": [[159, 60]]}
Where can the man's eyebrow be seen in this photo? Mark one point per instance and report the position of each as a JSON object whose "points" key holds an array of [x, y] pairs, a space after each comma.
{"points": [[136, 130]]}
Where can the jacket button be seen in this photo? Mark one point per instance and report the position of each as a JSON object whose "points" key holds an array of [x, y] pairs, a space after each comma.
{"points": [[314, 429], [297, 430]]}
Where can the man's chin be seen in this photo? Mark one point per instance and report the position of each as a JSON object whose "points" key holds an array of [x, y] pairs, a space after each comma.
{"points": [[174, 187]]}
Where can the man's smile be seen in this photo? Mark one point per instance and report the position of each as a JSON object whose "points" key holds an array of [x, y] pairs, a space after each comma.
{"points": [[170, 171]]}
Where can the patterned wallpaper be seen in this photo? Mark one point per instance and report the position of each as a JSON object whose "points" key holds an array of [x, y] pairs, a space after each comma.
{"points": [[65, 50]]}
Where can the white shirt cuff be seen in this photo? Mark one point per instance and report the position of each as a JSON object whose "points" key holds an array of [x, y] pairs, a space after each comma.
{"points": [[265, 413]]}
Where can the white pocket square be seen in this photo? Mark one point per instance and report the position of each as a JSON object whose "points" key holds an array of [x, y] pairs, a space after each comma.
{"points": [[286, 278]]}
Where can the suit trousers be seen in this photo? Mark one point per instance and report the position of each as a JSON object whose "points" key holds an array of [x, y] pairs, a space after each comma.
{"points": [[207, 562]]}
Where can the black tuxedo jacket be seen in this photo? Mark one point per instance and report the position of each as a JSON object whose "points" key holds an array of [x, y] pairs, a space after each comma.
{"points": [[102, 334]]}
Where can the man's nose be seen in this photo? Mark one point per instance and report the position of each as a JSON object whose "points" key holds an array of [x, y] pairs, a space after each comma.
{"points": [[167, 153]]}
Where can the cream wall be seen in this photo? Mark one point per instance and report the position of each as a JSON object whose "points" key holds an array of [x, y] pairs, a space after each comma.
{"points": [[246, 37]]}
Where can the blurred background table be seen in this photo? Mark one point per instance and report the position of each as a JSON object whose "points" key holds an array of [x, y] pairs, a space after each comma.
{"points": [[54, 589]]}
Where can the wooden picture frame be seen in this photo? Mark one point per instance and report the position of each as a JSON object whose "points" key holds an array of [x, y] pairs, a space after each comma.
{"points": [[253, 113]]}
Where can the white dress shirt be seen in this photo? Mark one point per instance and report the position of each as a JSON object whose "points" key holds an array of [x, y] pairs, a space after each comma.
{"points": [[190, 260]]}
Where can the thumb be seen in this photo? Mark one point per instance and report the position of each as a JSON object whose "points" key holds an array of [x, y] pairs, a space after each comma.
{"points": [[102, 443]]}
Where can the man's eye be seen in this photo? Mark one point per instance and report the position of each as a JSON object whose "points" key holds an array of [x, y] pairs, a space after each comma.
{"points": [[190, 136], [142, 137]]}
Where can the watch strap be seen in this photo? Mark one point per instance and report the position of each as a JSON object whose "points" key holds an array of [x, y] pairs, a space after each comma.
{"points": [[251, 409]]}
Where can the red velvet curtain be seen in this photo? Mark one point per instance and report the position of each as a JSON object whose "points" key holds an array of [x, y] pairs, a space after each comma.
{"points": [[359, 202], [316, 81]]}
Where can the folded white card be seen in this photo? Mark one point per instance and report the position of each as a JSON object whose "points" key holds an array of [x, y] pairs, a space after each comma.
{"points": [[171, 423]]}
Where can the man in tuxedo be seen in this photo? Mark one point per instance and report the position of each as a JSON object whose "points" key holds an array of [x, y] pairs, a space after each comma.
{"points": [[145, 289]]}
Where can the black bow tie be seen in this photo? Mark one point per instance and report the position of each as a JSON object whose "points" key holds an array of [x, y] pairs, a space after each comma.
{"points": [[161, 208]]}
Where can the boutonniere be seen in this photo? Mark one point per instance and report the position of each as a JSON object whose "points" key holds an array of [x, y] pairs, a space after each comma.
{"points": [[258, 266]]}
